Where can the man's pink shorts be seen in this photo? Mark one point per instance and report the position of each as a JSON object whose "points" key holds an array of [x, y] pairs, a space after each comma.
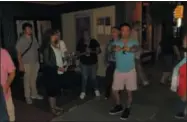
{"points": [[126, 80]]}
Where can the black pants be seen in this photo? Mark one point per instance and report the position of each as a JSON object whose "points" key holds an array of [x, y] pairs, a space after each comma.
{"points": [[53, 82], [109, 78]]}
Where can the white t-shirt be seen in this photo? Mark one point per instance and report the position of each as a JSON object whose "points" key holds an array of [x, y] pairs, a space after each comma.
{"points": [[58, 55]]}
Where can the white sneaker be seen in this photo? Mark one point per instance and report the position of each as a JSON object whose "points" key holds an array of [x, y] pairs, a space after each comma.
{"points": [[82, 95], [38, 97], [28, 100], [97, 93]]}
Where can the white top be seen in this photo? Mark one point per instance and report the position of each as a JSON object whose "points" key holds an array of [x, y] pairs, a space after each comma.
{"points": [[62, 47], [59, 61]]}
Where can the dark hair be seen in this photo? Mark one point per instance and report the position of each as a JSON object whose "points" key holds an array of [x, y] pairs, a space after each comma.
{"points": [[115, 27], [46, 41], [26, 25], [125, 24]]}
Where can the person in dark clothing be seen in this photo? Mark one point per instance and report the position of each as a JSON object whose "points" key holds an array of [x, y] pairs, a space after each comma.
{"points": [[53, 70], [88, 49], [168, 50], [3, 111], [110, 61]]}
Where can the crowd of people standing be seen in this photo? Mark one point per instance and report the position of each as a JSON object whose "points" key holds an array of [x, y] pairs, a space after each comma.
{"points": [[122, 59]]}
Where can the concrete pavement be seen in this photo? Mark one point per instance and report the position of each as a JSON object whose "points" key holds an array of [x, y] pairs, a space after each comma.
{"points": [[153, 103]]}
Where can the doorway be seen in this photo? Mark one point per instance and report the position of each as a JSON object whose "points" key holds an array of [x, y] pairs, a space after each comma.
{"points": [[82, 23]]}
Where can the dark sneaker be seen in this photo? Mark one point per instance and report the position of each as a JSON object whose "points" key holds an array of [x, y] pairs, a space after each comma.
{"points": [[125, 114], [116, 110], [180, 115]]}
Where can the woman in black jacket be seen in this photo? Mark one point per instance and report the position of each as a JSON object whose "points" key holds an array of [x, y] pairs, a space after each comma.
{"points": [[53, 69]]}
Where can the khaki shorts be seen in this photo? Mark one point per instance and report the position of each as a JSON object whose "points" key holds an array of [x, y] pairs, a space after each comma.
{"points": [[126, 80]]}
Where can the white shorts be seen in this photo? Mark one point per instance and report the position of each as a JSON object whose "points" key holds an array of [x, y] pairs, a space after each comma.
{"points": [[126, 80]]}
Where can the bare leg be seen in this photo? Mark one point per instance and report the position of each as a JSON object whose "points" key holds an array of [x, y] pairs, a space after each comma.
{"points": [[54, 108], [52, 102], [116, 97], [129, 100]]}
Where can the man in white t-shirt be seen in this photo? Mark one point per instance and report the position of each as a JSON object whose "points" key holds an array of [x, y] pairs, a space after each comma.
{"points": [[139, 68]]}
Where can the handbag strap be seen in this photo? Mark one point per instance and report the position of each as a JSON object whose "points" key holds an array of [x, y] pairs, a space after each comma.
{"points": [[29, 47]]}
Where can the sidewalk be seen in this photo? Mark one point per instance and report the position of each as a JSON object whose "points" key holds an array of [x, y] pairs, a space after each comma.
{"points": [[155, 103]]}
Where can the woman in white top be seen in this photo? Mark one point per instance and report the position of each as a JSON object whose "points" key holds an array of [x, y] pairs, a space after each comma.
{"points": [[53, 69]]}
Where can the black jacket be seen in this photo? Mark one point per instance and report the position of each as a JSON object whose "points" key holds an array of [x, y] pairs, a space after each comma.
{"points": [[49, 60]]}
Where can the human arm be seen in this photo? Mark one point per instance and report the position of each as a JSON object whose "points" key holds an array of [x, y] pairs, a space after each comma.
{"points": [[10, 68], [19, 49], [133, 48], [97, 47]]}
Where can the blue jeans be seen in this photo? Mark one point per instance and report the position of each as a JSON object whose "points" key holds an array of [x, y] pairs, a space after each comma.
{"points": [[3, 110], [181, 106], [89, 71]]}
